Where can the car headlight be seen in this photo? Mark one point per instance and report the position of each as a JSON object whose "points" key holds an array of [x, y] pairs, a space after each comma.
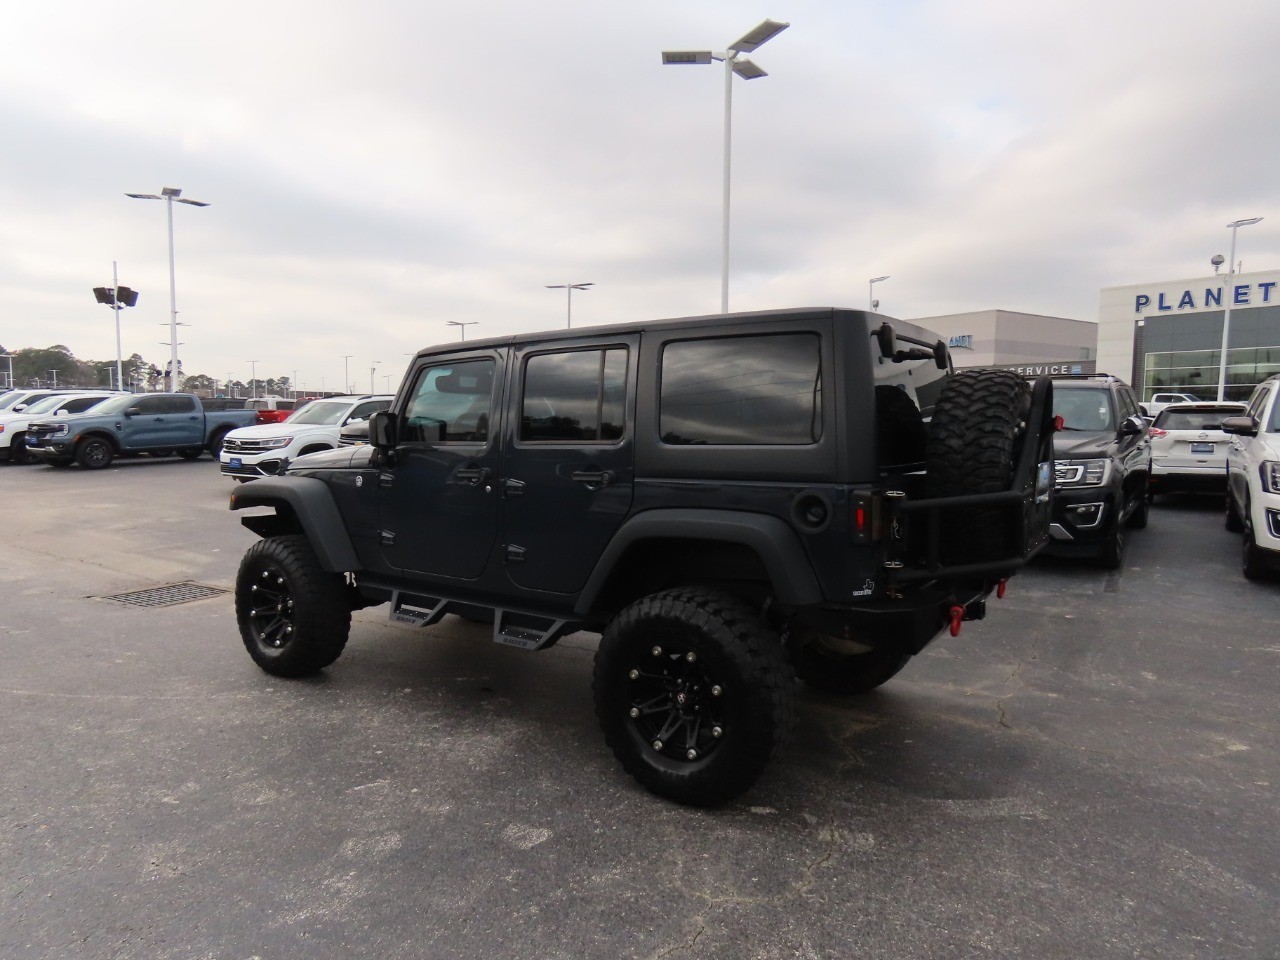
{"points": [[1270, 471], [277, 442], [61, 430], [1081, 473]]}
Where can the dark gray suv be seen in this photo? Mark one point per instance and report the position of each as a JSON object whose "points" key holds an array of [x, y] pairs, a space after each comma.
{"points": [[729, 500]]}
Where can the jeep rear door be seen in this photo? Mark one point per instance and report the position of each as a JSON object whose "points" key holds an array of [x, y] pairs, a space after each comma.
{"points": [[438, 509], [567, 471]]}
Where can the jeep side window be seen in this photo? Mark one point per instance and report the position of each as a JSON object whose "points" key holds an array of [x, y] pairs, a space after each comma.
{"points": [[753, 390], [451, 403], [574, 397]]}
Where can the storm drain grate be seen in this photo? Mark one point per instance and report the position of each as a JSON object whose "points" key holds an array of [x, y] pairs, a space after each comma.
{"points": [[166, 596]]}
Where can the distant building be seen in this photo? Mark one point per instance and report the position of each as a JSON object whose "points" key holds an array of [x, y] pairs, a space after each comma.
{"points": [[1027, 342], [1167, 335]]}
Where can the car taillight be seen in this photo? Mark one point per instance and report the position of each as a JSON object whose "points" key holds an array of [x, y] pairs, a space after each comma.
{"points": [[1156, 432]]}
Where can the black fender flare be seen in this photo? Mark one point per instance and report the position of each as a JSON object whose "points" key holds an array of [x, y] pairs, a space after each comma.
{"points": [[772, 539], [311, 501]]}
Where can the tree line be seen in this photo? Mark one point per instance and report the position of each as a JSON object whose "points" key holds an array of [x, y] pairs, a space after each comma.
{"points": [[57, 366]]}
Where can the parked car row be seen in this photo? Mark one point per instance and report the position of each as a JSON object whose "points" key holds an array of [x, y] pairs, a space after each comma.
{"points": [[267, 449]]}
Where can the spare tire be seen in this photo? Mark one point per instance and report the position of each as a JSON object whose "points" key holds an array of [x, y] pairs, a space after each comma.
{"points": [[975, 440]]}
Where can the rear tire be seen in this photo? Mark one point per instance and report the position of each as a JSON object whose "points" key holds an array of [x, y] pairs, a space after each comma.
{"points": [[293, 614], [694, 694], [974, 443], [215, 444], [190, 454]]}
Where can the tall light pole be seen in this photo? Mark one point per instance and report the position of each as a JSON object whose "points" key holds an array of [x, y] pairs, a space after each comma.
{"points": [[871, 293], [568, 288], [168, 195], [253, 377], [117, 298], [346, 372], [9, 357], [1228, 293], [372, 370], [747, 70], [462, 326]]}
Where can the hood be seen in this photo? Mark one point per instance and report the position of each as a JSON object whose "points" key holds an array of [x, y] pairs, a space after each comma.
{"points": [[269, 431], [339, 458], [1079, 445]]}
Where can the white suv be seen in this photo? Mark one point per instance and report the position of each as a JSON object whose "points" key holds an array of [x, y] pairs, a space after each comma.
{"points": [[268, 449], [1253, 478], [13, 426]]}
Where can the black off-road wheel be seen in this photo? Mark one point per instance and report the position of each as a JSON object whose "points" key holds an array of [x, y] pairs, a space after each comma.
{"points": [[974, 442], [294, 615], [94, 453], [843, 667], [694, 693]]}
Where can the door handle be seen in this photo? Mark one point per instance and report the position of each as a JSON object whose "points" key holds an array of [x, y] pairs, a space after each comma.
{"points": [[512, 488], [602, 477], [472, 475]]}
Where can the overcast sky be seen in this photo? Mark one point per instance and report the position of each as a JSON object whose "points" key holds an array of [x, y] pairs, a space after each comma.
{"points": [[376, 169]]}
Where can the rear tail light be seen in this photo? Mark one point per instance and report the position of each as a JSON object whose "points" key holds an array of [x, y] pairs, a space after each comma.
{"points": [[1157, 432]]}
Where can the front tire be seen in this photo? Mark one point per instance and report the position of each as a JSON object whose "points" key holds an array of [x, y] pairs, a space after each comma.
{"points": [[1141, 513], [1112, 555], [94, 453], [694, 694], [18, 449], [1232, 520], [293, 614], [1253, 562]]}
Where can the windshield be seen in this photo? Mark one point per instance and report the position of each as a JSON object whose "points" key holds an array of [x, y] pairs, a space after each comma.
{"points": [[1174, 419], [1083, 409], [11, 400], [321, 412], [46, 404], [117, 404]]}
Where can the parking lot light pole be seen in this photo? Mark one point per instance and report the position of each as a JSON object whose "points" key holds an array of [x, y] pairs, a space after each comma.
{"points": [[871, 293], [253, 377], [9, 383], [568, 288], [462, 326], [747, 70], [1228, 293], [168, 195], [372, 370]]}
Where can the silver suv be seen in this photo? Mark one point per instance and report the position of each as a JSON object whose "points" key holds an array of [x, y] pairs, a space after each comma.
{"points": [[267, 449], [1253, 479]]}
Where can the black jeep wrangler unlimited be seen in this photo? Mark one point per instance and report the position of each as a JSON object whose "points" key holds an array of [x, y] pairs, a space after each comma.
{"points": [[1103, 464], [730, 500]]}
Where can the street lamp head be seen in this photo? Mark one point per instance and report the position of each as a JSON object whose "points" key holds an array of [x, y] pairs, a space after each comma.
{"points": [[748, 70], [878, 279], [676, 57], [171, 192], [758, 36], [1244, 223]]}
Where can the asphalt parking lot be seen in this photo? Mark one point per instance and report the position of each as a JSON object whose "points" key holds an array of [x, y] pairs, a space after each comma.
{"points": [[1091, 772]]}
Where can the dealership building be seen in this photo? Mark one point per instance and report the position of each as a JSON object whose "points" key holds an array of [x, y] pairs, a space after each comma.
{"points": [[1168, 335], [1029, 343]]}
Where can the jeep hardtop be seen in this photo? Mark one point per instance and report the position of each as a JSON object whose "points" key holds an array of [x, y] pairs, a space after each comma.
{"points": [[730, 500]]}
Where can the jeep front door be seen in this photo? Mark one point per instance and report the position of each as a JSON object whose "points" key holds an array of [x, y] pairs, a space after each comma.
{"points": [[438, 512], [567, 476]]}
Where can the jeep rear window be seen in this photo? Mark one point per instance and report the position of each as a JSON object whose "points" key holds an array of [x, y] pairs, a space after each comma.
{"points": [[574, 397], [747, 391]]}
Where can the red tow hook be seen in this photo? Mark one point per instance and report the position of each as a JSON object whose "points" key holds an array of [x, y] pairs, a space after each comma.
{"points": [[1000, 588], [957, 614]]}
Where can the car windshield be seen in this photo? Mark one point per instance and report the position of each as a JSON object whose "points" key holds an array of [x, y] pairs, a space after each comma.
{"points": [[321, 413], [47, 404], [11, 400], [117, 404], [1211, 419], [1083, 409]]}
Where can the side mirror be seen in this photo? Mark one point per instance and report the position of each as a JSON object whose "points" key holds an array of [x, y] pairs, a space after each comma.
{"points": [[1241, 426], [19, 407], [1132, 426], [382, 430]]}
